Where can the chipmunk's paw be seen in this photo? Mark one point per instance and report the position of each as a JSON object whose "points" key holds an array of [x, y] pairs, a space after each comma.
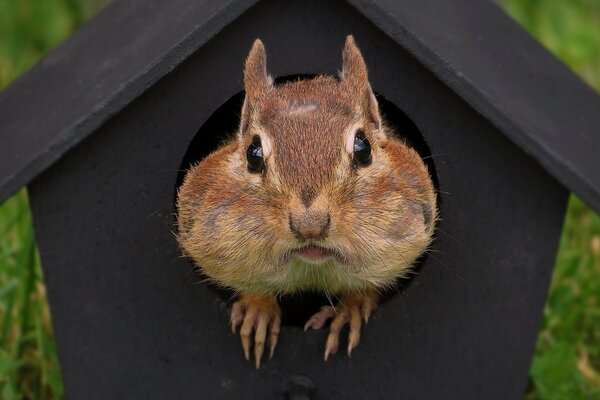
{"points": [[259, 314], [351, 310]]}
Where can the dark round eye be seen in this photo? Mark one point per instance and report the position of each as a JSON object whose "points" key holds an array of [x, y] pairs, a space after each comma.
{"points": [[362, 149], [256, 162]]}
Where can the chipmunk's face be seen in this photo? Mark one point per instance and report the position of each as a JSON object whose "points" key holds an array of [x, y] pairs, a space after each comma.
{"points": [[346, 206], [313, 194]]}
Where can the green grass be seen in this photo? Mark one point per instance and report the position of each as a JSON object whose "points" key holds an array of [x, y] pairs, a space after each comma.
{"points": [[29, 366], [566, 365], [28, 362]]}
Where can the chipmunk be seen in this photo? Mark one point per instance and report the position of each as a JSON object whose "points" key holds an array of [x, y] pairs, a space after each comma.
{"points": [[315, 192]]}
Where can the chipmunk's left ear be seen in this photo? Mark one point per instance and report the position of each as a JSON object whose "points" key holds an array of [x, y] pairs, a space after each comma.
{"points": [[256, 78], [354, 75]]}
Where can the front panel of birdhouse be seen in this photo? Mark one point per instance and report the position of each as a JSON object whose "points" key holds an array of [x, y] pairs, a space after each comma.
{"points": [[132, 319]]}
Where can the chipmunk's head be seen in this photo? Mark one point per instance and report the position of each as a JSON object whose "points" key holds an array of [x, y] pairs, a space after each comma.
{"points": [[305, 134], [339, 191]]}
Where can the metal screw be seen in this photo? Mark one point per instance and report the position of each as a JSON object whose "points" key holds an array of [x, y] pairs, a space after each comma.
{"points": [[299, 387]]}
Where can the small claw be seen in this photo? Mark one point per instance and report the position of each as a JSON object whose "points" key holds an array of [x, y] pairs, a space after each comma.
{"points": [[308, 324], [246, 330], [354, 336], [318, 320], [274, 327], [272, 347], [257, 362], [332, 345], [246, 347], [367, 309], [366, 313], [259, 338], [237, 316], [334, 334]]}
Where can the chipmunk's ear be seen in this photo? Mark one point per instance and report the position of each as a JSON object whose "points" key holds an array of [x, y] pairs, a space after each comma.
{"points": [[354, 75], [256, 80]]}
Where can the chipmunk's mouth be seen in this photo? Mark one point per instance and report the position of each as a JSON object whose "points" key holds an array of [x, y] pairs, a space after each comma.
{"points": [[314, 254]]}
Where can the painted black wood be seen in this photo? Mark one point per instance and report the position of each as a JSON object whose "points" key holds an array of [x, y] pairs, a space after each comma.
{"points": [[471, 46], [132, 321]]}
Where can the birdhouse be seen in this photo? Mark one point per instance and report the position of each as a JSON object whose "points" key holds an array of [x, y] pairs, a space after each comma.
{"points": [[101, 129]]}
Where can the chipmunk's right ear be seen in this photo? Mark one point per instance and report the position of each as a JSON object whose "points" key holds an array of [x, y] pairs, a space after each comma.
{"points": [[354, 75], [256, 80]]}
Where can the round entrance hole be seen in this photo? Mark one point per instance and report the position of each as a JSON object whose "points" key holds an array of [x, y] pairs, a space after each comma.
{"points": [[222, 125]]}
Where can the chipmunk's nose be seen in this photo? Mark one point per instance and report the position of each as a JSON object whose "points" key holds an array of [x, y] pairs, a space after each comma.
{"points": [[310, 225]]}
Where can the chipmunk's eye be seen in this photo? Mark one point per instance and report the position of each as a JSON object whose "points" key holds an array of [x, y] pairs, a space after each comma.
{"points": [[362, 149], [256, 162]]}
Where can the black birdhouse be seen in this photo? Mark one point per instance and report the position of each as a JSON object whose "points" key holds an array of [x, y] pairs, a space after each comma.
{"points": [[100, 130]]}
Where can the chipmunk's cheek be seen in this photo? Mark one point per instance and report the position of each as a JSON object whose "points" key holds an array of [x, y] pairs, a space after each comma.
{"points": [[405, 225], [420, 216], [252, 223]]}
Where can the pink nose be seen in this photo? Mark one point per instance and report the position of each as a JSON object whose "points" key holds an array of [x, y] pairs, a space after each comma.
{"points": [[310, 225]]}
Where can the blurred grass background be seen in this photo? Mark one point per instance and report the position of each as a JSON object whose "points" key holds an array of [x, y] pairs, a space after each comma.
{"points": [[566, 365]]}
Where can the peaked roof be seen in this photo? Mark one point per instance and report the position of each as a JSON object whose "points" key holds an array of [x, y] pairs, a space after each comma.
{"points": [[472, 46]]}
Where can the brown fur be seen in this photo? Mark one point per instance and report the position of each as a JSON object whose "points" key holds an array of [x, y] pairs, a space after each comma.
{"points": [[240, 226]]}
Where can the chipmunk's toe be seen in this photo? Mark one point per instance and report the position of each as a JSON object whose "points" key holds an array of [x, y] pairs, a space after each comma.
{"points": [[346, 314], [260, 315], [318, 320]]}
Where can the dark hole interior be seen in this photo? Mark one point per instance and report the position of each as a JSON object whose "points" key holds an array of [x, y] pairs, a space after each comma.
{"points": [[222, 125]]}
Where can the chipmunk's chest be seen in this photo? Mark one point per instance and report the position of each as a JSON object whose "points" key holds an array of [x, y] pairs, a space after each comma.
{"points": [[329, 277]]}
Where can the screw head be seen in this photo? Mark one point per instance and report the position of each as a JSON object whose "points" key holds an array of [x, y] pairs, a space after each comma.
{"points": [[299, 387]]}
